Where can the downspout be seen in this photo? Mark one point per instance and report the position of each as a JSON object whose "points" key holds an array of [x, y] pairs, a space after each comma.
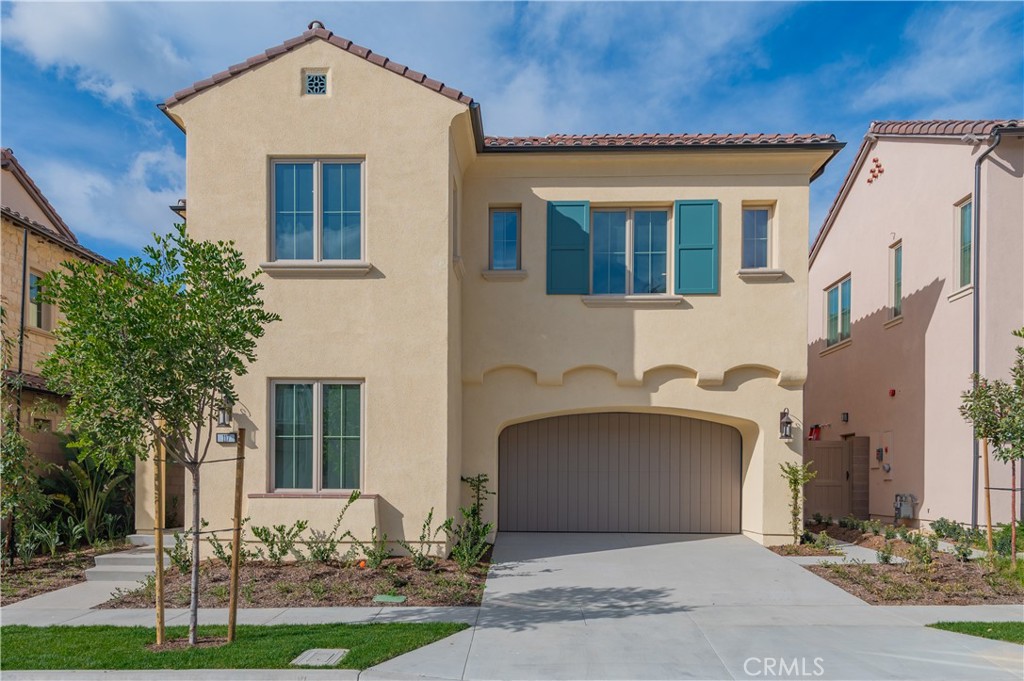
{"points": [[976, 281], [21, 326]]}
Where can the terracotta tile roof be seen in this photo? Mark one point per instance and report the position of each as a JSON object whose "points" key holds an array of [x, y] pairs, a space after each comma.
{"points": [[955, 128], [981, 128], [47, 233], [647, 140], [28, 381], [320, 33], [10, 163]]}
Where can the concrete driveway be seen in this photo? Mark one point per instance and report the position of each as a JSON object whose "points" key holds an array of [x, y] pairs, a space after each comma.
{"points": [[620, 606]]}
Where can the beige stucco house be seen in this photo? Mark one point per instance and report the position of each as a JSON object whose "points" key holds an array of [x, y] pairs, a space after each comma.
{"points": [[609, 327], [891, 336], [34, 239]]}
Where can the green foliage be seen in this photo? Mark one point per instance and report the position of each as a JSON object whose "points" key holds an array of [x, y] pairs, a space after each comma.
{"points": [[1002, 537], [180, 554], [376, 551], [889, 532], [421, 558], [962, 549], [86, 493], [825, 542], [281, 541], [818, 518], [797, 475], [49, 536], [875, 526], [469, 538], [885, 553], [323, 546], [222, 551], [903, 533], [28, 545], [920, 551], [947, 529]]}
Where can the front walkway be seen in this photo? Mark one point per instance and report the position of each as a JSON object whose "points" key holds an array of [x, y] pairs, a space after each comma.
{"points": [[586, 606]]}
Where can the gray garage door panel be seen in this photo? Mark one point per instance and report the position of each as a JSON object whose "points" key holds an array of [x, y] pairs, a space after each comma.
{"points": [[619, 473]]}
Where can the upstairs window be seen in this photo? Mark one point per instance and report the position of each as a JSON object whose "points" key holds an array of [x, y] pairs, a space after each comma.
{"points": [[837, 307], [38, 311], [317, 210], [965, 234], [755, 238], [505, 254], [629, 251], [896, 288]]}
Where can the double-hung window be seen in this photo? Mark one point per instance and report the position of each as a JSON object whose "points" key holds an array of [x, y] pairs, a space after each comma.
{"points": [[755, 237], [37, 309], [317, 210], [837, 309], [896, 289], [965, 235], [505, 253], [317, 435], [629, 251]]}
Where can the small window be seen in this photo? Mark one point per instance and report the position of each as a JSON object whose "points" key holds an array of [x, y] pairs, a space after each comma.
{"points": [[505, 252], [317, 210], [755, 237], [629, 251], [316, 83], [837, 304], [965, 234], [896, 287], [317, 435], [38, 311], [42, 425]]}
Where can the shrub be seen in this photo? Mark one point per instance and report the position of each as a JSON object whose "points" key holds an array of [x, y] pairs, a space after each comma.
{"points": [[74, 531], [825, 542], [818, 518], [884, 554], [962, 549], [469, 539], [180, 554], [421, 558], [1001, 537], [889, 532], [323, 546], [281, 540], [875, 526], [903, 533], [920, 552], [376, 552], [49, 536], [28, 545], [947, 529], [222, 551]]}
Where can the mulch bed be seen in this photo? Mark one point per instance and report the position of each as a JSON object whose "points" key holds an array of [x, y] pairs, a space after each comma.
{"points": [[263, 584], [946, 581], [799, 550], [183, 644], [45, 574]]}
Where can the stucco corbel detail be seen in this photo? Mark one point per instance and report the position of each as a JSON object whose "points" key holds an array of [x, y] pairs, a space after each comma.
{"points": [[792, 379], [629, 379], [549, 378], [710, 379]]}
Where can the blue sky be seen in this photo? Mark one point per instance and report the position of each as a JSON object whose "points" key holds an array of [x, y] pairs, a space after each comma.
{"points": [[79, 81]]}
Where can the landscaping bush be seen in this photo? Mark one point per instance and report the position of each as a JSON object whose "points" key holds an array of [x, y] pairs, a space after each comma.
{"points": [[947, 529], [222, 551], [1001, 537], [421, 558], [963, 549], [376, 552], [323, 546], [180, 554], [469, 539], [281, 540], [884, 554]]}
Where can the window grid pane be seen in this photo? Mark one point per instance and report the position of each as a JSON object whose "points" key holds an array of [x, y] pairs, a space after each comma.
{"points": [[340, 465], [35, 305], [965, 244], [650, 251], [609, 259], [844, 310], [341, 204], [293, 208], [833, 316], [504, 240], [293, 436], [755, 238]]}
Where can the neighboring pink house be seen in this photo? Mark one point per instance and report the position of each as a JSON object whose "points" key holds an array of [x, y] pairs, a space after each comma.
{"points": [[891, 334]]}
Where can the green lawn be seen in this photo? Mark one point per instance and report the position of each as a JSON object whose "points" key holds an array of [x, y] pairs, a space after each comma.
{"points": [[255, 647], [1000, 631]]}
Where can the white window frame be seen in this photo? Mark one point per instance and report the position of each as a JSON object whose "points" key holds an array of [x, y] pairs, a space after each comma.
{"points": [[893, 314], [837, 284], [318, 212], [491, 210], [770, 247], [318, 431], [957, 227], [669, 248]]}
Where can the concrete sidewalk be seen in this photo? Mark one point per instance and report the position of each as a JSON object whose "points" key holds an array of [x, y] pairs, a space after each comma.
{"points": [[626, 607]]}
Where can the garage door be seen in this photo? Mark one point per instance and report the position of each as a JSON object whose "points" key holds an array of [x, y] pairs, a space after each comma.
{"points": [[619, 473]]}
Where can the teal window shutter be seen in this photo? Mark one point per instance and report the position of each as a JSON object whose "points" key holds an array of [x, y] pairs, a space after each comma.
{"points": [[568, 247], [696, 246]]}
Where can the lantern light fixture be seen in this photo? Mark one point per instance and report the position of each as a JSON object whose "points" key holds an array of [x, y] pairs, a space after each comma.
{"points": [[224, 414], [785, 425]]}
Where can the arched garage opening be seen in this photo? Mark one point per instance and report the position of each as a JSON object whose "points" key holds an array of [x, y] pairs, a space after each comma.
{"points": [[619, 472]]}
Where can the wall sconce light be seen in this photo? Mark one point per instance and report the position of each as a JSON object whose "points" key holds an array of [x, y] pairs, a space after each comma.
{"points": [[224, 415], [845, 416], [785, 425]]}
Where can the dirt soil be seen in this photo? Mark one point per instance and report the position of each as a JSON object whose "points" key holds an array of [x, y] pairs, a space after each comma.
{"points": [[945, 581], [309, 584], [799, 550], [45, 574], [182, 643]]}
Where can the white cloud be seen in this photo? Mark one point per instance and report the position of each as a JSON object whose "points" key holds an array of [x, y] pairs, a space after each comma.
{"points": [[123, 208]]}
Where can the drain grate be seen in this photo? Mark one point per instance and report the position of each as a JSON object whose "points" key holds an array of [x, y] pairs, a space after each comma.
{"points": [[320, 657]]}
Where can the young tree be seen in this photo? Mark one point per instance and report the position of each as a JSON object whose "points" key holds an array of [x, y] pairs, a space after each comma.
{"points": [[149, 350], [797, 475], [996, 409]]}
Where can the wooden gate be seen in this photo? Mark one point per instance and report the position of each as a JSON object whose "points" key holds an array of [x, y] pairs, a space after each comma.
{"points": [[841, 486]]}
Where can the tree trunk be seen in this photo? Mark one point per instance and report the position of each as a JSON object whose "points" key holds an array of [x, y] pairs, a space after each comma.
{"points": [[193, 607], [1013, 513]]}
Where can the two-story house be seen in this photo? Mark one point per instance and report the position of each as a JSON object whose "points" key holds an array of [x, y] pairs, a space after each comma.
{"points": [[610, 327], [917, 273], [34, 239]]}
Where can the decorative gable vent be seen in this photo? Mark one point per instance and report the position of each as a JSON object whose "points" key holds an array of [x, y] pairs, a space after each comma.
{"points": [[316, 84]]}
